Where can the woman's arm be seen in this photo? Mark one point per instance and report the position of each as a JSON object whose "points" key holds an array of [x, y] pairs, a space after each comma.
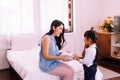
{"points": [[45, 47]]}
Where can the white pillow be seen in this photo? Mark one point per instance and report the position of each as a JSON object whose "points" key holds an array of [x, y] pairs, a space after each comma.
{"points": [[24, 41]]}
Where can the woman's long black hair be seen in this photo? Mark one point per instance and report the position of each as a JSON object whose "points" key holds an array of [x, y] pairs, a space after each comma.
{"points": [[59, 40]]}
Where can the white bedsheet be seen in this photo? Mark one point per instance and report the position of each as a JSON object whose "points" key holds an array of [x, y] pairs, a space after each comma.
{"points": [[26, 64]]}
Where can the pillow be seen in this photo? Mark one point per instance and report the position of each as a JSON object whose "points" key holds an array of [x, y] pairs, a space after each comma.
{"points": [[24, 41]]}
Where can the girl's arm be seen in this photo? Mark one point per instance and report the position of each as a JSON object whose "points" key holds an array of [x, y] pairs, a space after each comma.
{"points": [[76, 57], [83, 53], [89, 57]]}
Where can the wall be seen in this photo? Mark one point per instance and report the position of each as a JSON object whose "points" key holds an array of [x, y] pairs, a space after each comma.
{"points": [[110, 7], [86, 14]]}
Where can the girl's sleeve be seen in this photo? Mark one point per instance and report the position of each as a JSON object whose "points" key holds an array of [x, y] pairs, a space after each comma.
{"points": [[89, 57]]}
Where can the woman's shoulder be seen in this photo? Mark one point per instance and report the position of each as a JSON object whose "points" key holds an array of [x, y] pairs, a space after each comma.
{"points": [[46, 37]]}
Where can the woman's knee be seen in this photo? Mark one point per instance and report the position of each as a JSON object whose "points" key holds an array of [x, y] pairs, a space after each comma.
{"points": [[70, 69], [69, 72]]}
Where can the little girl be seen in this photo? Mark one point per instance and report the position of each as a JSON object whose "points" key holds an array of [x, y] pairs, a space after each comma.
{"points": [[89, 55]]}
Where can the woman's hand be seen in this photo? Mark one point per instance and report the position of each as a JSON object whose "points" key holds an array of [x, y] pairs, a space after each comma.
{"points": [[60, 52], [64, 58]]}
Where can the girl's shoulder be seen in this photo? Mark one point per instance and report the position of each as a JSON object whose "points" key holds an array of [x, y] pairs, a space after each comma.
{"points": [[92, 48]]}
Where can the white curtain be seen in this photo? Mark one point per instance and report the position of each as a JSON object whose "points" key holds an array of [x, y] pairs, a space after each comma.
{"points": [[16, 16], [53, 9]]}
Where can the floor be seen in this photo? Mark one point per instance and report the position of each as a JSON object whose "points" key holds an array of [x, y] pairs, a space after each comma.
{"points": [[114, 65], [107, 73], [111, 64], [117, 78], [9, 74], [5, 74]]}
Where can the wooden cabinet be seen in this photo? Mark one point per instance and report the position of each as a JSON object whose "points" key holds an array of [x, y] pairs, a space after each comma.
{"points": [[109, 45]]}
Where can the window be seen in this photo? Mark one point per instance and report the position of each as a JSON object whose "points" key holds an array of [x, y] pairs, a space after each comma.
{"points": [[56, 9], [70, 16], [16, 16]]}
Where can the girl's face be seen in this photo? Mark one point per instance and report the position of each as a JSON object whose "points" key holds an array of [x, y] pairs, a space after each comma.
{"points": [[58, 30], [87, 40]]}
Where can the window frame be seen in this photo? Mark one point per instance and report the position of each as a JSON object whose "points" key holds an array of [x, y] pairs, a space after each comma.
{"points": [[70, 17]]}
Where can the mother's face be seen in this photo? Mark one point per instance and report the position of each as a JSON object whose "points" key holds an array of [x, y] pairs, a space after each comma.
{"points": [[58, 30]]}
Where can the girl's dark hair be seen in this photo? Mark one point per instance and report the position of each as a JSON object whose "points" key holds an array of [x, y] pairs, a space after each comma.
{"points": [[91, 34], [59, 40]]}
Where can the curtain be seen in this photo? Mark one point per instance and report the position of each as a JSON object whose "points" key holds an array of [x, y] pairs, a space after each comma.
{"points": [[53, 9], [16, 16]]}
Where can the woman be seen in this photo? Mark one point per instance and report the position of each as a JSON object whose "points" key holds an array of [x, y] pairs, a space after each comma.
{"points": [[50, 57]]}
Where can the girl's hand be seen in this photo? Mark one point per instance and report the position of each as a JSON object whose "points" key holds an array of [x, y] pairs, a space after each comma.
{"points": [[64, 58], [86, 46], [76, 57]]}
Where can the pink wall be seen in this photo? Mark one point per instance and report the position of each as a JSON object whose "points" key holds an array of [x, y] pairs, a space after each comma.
{"points": [[87, 13], [110, 7]]}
